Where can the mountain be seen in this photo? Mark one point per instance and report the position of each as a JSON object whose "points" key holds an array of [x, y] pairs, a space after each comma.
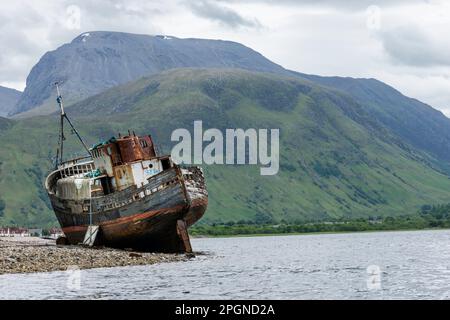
{"points": [[8, 99], [415, 122], [95, 61], [336, 160], [100, 60]]}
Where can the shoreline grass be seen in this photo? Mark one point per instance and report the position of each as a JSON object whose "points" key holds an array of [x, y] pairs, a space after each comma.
{"points": [[249, 235], [429, 218]]}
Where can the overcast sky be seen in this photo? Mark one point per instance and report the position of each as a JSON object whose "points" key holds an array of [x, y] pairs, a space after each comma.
{"points": [[403, 43]]}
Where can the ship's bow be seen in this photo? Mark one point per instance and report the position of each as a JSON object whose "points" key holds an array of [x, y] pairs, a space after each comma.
{"points": [[196, 192]]}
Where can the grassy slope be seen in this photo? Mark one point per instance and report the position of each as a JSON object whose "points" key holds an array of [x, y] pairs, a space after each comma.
{"points": [[415, 122], [335, 161]]}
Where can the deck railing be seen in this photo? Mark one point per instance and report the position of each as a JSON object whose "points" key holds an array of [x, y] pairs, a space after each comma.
{"points": [[76, 167]]}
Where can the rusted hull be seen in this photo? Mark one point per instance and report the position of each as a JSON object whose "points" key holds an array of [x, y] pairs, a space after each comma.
{"points": [[153, 231], [150, 218]]}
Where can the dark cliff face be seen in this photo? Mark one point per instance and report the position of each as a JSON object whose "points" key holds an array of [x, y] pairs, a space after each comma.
{"points": [[96, 61], [8, 99]]}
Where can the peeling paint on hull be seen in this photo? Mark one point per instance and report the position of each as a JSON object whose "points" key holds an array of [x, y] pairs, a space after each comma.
{"points": [[150, 231]]}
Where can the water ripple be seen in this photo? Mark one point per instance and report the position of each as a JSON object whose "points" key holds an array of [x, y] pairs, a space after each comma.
{"points": [[412, 265]]}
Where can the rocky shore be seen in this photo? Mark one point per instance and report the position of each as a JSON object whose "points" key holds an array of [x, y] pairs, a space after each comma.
{"points": [[26, 255]]}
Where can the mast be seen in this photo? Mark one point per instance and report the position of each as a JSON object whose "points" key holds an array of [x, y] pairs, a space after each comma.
{"points": [[62, 138]]}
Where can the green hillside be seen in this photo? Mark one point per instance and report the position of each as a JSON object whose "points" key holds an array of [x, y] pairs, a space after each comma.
{"points": [[413, 121], [335, 161], [5, 124]]}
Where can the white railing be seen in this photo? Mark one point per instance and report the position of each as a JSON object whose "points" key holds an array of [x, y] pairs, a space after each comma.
{"points": [[73, 169]]}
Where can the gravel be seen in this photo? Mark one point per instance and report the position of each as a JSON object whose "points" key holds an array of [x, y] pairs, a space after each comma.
{"points": [[39, 255]]}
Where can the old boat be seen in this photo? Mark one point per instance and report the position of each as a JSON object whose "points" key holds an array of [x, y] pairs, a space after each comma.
{"points": [[125, 195]]}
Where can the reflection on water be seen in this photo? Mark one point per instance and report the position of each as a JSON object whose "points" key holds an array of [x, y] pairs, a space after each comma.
{"points": [[383, 265]]}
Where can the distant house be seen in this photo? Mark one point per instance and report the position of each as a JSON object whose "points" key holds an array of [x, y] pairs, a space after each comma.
{"points": [[14, 232], [32, 232], [4, 232]]}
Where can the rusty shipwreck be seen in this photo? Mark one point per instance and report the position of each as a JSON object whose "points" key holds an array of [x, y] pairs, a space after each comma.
{"points": [[125, 195]]}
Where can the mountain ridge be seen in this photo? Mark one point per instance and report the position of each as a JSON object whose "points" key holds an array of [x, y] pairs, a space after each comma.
{"points": [[414, 121], [8, 99], [101, 60]]}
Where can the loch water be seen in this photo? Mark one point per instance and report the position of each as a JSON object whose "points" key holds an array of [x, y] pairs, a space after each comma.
{"points": [[375, 265]]}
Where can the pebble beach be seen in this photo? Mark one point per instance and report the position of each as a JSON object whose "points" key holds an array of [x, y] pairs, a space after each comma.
{"points": [[28, 255]]}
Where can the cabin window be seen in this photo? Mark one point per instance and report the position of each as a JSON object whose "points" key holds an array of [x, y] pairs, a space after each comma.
{"points": [[165, 164], [143, 143]]}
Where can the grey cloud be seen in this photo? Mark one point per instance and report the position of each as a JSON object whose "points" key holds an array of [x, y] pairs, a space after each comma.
{"points": [[19, 47], [27, 31], [412, 46], [340, 5], [216, 12]]}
